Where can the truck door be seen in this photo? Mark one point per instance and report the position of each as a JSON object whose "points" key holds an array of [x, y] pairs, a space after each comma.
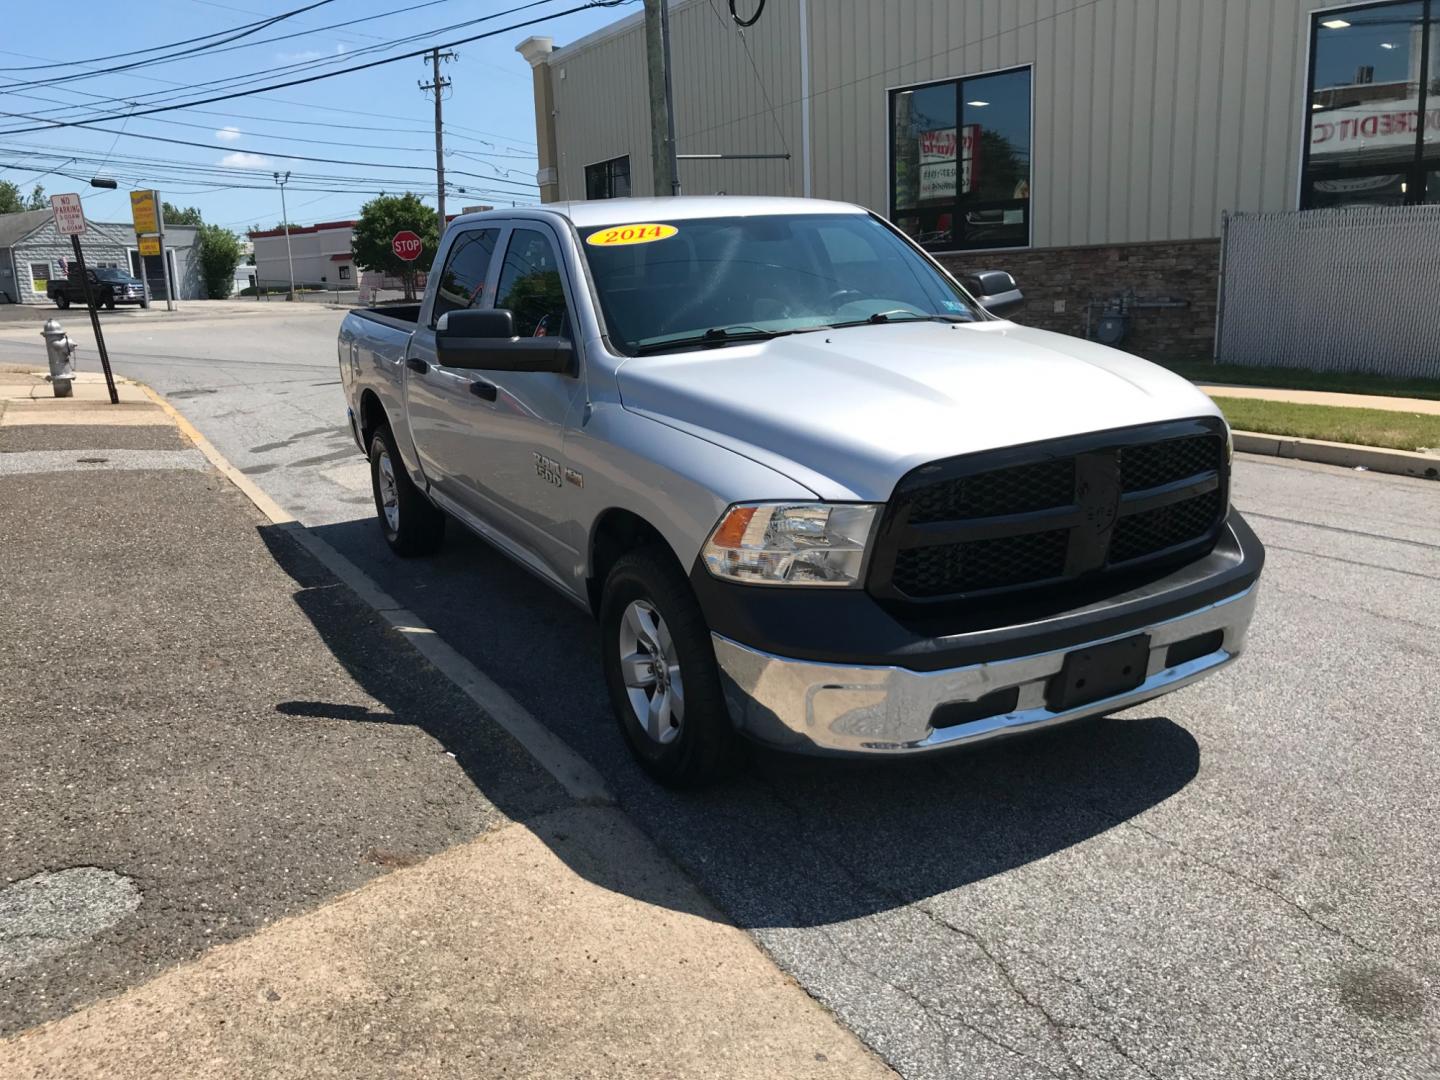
{"points": [[438, 400], [516, 457]]}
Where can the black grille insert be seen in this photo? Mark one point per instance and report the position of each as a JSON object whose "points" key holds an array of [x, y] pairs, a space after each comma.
{"points": [[981, 564], [1046, 513], [1165, 527], [1154, 464], [1019, 490]]}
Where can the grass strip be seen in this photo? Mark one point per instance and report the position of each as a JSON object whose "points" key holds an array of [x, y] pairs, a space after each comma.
{"points": [[1338, 382], [1364, 427]]}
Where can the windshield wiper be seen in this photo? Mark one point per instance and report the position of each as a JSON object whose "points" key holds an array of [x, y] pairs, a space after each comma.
{"points": [[896, 315], [715, 336]]}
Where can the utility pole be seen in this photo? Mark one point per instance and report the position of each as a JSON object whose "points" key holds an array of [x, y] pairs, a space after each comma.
{"points": [[438, 85], [285, 224], [662, 105]]}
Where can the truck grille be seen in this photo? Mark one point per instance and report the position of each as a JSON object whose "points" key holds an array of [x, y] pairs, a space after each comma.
{"points": [[1047, 513]]}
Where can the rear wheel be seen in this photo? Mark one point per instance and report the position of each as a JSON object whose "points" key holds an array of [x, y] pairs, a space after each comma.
{"points": [[661, 673], [411, 523], [62, 301]]}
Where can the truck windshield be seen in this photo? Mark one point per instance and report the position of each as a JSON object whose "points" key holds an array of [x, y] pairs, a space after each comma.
{"points": [[708, 282], [107, 274]]}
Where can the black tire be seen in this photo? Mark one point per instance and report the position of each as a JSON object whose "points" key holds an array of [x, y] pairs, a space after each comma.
{"points": [[109, 302], [62, 302], [704, 746], [418, 526]]}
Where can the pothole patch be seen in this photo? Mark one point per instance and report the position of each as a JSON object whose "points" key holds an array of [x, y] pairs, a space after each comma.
{"points": [[51, 912]]}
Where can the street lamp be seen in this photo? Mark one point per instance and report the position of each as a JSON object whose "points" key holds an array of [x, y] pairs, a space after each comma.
{"points": [[285, 224]]}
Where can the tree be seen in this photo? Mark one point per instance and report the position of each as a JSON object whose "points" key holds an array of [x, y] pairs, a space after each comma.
{"points": [[37, 199], [10, 200], [176, 216], [380, 219], [220, 254]]}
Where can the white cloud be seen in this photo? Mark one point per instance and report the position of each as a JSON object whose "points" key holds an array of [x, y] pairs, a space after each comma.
{"points": [[242, 160], [340, 49], [228, 134], [299, 57]]}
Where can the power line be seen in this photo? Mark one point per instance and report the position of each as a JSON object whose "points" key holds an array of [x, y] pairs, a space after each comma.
{"points": [[305, 138], [47, 125], [253, 27], [233, 81], [216, 47], [183, 54], [256, 150], [450, 129]]}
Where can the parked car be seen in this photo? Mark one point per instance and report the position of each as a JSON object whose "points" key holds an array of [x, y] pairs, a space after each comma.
{"points": [[815, 492], [108, 287]]}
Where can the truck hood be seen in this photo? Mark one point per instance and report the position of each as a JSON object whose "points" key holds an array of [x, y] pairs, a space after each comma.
{"points": [[849, 412]]}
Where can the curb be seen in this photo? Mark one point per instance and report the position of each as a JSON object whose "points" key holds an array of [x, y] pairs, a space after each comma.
{"points": [[1346, 455], [577, 776]]}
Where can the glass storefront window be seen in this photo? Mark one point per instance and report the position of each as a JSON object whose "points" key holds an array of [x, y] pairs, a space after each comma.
{"points": [[960, 161], [1374, 104]]}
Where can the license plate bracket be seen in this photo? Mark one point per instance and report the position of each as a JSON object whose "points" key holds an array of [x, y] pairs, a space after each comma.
{"points": [[1098, 672]]}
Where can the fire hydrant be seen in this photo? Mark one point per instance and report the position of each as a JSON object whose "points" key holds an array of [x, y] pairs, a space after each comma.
{"points": [[60, 351]]}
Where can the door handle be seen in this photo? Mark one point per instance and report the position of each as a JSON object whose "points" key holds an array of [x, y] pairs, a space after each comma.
{"points": [[482, 389], [415, 364]]}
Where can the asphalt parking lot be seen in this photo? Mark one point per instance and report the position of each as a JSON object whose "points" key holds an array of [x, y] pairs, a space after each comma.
{"points": [[1238, 880]]}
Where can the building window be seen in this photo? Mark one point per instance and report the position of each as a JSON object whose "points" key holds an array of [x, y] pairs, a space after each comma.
{"points": [[1373, 123], [40, 276], [344, 273], [608, 179], [960, 161]]}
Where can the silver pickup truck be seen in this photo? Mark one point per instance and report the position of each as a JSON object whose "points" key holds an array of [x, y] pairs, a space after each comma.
{"points": [[815, 492]]}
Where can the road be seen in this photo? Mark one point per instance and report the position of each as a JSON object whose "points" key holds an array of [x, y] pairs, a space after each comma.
{"points": [[1239, 880]]}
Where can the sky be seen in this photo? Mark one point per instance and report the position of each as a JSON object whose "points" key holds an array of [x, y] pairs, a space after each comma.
{"points": [[377, 121]]}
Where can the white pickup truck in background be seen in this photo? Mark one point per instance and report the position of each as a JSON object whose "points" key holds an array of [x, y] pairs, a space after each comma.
{"points": [[815, 492]]}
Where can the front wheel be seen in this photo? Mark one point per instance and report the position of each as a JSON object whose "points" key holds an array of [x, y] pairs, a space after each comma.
{"points": [[411, 523], [109, 302], [661, 673]]}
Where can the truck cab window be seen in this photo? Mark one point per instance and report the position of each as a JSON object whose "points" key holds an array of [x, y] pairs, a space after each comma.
{"points": [[462, 282], [530, 286]]}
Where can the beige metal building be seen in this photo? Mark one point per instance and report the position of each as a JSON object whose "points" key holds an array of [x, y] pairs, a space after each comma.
{"points": [[1092, 147]]}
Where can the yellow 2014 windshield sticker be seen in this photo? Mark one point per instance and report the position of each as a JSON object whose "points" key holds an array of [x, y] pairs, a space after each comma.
{"points": [[618, 235]]}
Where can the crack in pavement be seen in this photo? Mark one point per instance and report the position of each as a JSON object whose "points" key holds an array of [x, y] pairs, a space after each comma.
{"points": [[1055, 1025], [930, 1011], [1245, 879]]}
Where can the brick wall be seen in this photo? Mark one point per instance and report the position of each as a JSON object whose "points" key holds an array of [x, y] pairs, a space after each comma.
{"points": [[1072, 277]]}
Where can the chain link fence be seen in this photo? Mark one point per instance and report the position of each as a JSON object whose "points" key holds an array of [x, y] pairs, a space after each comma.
{"points": [[1350, 289]]}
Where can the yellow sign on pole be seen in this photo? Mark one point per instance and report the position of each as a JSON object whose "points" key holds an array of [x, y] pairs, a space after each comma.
{"points": [[145, 209], [149, 245]]}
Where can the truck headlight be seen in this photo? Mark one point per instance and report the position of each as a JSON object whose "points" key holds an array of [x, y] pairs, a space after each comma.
{"points": [[791, 543]]}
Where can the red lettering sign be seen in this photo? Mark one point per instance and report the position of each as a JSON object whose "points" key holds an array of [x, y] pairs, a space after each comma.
{"points": [[407, 245]]}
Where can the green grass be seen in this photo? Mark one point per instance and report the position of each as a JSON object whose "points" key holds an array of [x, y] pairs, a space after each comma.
{"points": [[1366, 427], [1340, 382]]}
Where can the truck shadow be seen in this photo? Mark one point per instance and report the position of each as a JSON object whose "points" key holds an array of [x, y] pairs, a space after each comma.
{"points": [[789, 842]]}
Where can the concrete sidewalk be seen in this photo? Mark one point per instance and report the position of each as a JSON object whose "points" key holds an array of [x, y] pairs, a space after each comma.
{"points": [[1325, 397], [246, 830]]}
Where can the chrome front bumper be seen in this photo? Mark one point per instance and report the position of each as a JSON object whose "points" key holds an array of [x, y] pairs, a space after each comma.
{"points": [[816, 708]]}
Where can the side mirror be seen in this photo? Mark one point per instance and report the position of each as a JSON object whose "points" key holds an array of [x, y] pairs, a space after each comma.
{"points": [[996, 290], [485, 339]]}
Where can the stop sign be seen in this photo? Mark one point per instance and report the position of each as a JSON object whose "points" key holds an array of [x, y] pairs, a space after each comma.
{"points": [[406, 245]]}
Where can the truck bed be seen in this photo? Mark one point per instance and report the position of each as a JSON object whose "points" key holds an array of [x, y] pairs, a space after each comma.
{"points": [[401, 316]]}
